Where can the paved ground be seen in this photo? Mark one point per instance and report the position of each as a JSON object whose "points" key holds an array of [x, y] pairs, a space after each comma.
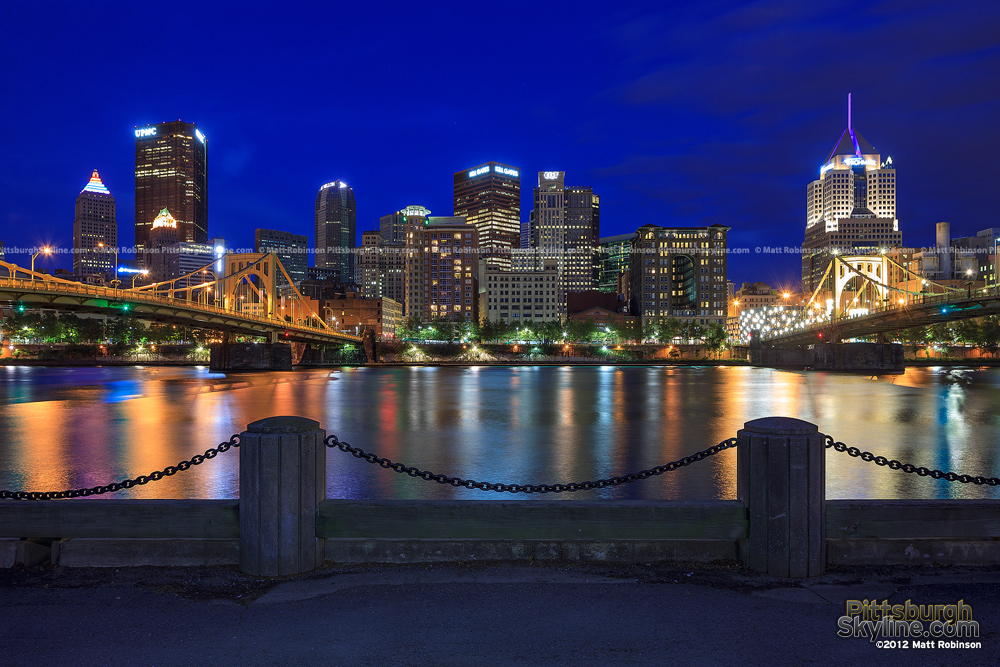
{"points": [[471, 615]]}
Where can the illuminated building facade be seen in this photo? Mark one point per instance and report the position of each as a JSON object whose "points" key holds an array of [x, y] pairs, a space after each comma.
{"points": [[489, 198], [564, 225], [679, 272], [187, 258], [171, 172], [523, 296], [380, 267], [350, 312], [292, 250], [393, 226], [336, 220], [94, 223], [163, 234], [442, 270], [370, 265], [614, 254], [851, 207]]}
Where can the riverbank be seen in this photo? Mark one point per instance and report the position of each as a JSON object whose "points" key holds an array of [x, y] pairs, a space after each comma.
{"points": [[98, 363]]}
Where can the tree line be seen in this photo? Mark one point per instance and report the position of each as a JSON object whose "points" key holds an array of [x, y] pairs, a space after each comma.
{"points": [[632, 331]]}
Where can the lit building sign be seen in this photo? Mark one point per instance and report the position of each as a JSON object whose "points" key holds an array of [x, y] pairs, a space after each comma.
{"points": [[858, 160], [125, 269], [201, 137], [550, 175], [145, 132], [416, 211], [506, 171], [825, 168]]}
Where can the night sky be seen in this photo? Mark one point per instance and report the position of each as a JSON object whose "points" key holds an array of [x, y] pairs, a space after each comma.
{"points": [[676, 113]]}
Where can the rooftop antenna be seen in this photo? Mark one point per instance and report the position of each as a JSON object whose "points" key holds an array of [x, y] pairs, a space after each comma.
{"points": [[849, 112]]}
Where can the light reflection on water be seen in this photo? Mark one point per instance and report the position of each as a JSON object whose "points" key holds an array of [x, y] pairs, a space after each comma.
{"points": [[79, 427]]}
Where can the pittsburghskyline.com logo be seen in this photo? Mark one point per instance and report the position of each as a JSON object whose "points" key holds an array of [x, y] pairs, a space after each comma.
{"points": [[909, 625]]}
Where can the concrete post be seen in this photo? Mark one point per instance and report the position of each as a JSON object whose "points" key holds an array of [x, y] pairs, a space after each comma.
{"points": [[282, 480], [781, 477]]}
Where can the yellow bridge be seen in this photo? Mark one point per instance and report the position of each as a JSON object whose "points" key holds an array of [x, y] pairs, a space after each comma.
{"points": [[245, 301]]}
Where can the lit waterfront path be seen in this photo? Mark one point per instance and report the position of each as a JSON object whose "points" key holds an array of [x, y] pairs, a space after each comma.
{"points": [[474, 615]]}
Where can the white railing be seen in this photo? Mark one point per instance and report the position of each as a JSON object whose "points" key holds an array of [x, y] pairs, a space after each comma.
{"points": [[981, 293]]}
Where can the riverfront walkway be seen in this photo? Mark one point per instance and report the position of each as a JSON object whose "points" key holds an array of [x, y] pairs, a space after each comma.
{"points": [[472, 615]]}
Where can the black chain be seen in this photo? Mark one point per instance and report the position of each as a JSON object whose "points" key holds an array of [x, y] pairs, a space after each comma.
{"points": [[157, 475], [893, 464], [332, 441]]}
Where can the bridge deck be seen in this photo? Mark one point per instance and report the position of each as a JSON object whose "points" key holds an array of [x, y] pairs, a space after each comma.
{"points": [[932, 309], [65, 295]]}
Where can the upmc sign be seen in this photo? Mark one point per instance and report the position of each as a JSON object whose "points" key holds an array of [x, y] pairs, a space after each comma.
{"points": [[145, 132]]}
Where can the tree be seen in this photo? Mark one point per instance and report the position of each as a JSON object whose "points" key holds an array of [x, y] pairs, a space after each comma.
{"points": [[443, 329], [551, 331], [716, 338], [988, 334], [410, 330], [647, 329], [581, 331], [668, 330], [126, 329], [91, 330]]}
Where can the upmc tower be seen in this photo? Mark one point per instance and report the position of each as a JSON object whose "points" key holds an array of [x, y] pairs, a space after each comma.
{"points": [[489, 197], [171, 173]]}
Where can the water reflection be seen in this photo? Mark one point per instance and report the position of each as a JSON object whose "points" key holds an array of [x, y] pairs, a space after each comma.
{"points": [[64, 428]]}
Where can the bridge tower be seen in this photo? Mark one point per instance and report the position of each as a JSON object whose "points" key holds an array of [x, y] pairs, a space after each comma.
{"points": [[871, 271], [250, 283]]}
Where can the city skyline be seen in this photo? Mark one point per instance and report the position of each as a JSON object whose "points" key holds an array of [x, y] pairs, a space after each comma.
{"points": [[684, 117]]}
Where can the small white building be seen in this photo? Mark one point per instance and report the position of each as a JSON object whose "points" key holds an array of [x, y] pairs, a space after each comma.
{"points": [[524, 296]]}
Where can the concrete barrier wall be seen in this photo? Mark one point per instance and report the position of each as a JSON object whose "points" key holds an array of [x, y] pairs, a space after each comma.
{"points": [[833, 357]]}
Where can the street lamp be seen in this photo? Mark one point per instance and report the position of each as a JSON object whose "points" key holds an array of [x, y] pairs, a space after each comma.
{"points": [[46, 250], [114, 250], [144, 272]]}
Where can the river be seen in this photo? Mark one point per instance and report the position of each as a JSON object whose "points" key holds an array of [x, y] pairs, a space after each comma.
{"points": [[80, 427]]}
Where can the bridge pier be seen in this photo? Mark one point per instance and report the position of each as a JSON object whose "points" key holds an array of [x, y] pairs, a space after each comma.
{"points": [[879, 357], [251, 357]]}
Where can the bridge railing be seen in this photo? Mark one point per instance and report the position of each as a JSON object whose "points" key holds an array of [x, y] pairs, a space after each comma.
{"points": [[52, 286], [781, 522], [982, 293]]}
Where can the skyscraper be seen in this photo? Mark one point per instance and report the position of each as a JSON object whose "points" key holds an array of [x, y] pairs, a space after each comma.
{"points": [[163, 234], [851, 207], [292, 250], [489, 197], [171, 172], [442, 280], [95, 231], [336, 215], [564, 226]]}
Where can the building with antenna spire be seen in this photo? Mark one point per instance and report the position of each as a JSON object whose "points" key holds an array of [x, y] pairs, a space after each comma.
{"points": [[95, 232], [851, 207]]}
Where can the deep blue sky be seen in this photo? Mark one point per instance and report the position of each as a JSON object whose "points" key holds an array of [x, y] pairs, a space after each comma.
{"points": [[676, 113]]}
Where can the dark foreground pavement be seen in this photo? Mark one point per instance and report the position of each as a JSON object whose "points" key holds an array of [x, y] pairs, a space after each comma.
{"points": [[472, 615]]}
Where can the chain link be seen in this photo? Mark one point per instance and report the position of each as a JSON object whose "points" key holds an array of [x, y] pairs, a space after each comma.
{"points": [[154, 476], [333, 442], [893, 464]]}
